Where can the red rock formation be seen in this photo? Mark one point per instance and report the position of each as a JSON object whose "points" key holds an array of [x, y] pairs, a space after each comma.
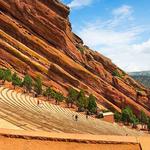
{"points": [[36, 37]]}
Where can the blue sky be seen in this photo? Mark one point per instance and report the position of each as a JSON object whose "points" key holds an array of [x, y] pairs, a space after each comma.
{"points": [[119, 29]]}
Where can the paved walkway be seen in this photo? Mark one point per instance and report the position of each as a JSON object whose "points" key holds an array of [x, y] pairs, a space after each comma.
{"points": [[20, 140]]}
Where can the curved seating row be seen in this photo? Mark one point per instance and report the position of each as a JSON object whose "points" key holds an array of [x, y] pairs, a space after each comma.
{"points": [[22, 110]]}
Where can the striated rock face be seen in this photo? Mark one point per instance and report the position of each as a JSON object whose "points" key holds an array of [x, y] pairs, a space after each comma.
{"points": [[36, 38]]}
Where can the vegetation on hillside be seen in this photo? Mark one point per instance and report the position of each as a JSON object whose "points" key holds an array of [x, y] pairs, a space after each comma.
{"points": [[38, 86], [16, 81], [27, 83], [81, 101], [119, 74], [128, 117], [48, 93], [1, 74], [92, 106], [81, 49], [7, 75], [74, 97]]}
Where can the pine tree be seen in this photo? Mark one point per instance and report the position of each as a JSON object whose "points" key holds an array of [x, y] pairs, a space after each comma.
{"points": [[27, 83], [134, 121], [72, 96], [81, 100], [117, 116], [59, 97], [16, 81], [92, 106], [127, 115], [7, 75], [53, 93], [1, 74], [38, 86], [143, 118], [48, 93], [148, 124]]}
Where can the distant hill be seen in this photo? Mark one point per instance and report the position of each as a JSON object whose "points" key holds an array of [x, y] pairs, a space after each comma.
{"points": [[143, 77]]}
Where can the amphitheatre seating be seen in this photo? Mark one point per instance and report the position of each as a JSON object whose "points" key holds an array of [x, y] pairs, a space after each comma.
{"points": [[22, 110]]}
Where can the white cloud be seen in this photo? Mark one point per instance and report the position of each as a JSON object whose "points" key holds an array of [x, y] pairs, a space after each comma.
{"points": [[119, 40], [79, 3], [122, 15], [105, 36], [143, 47], [124, 10]]}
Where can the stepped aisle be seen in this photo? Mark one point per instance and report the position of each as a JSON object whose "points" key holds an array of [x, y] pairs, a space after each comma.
{"points": [[22, 111]]}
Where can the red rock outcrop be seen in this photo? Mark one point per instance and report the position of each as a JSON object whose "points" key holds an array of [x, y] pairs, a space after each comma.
{"points": [[36, 37]]}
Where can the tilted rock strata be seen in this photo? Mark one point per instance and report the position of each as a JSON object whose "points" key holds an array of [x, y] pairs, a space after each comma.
{"points": [[36, 38]]}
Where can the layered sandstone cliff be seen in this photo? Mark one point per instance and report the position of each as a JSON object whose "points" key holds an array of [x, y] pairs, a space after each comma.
{"points": [[36, 38]]}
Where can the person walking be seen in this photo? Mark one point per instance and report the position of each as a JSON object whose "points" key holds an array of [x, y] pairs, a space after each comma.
{"points": [[87, 114], [76, 117], [38, 102], [73, 116]]}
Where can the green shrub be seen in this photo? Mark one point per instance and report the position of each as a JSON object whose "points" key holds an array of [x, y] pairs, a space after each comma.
{"points": [[117, 74], [143, 118], [148, 124], [117, 116], [134, 121], [7, 75], [72, 96], [105, 110], [1, 74], [100, 115], [59, 97], [16, 81], [48, 93], [38, 85], [27, 83], [81, 100], [123, 73], [127, 115], [92, 106], [81, 49]]}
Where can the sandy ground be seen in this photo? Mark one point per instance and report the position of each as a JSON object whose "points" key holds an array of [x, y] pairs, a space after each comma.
{"points": [[24, 144]]}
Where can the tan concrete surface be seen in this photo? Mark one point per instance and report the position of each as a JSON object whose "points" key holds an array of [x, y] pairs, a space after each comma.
{"points": [[24, 144], [71, 137], [65, 141], [7, 125], [30, 140], [144, 142]]}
